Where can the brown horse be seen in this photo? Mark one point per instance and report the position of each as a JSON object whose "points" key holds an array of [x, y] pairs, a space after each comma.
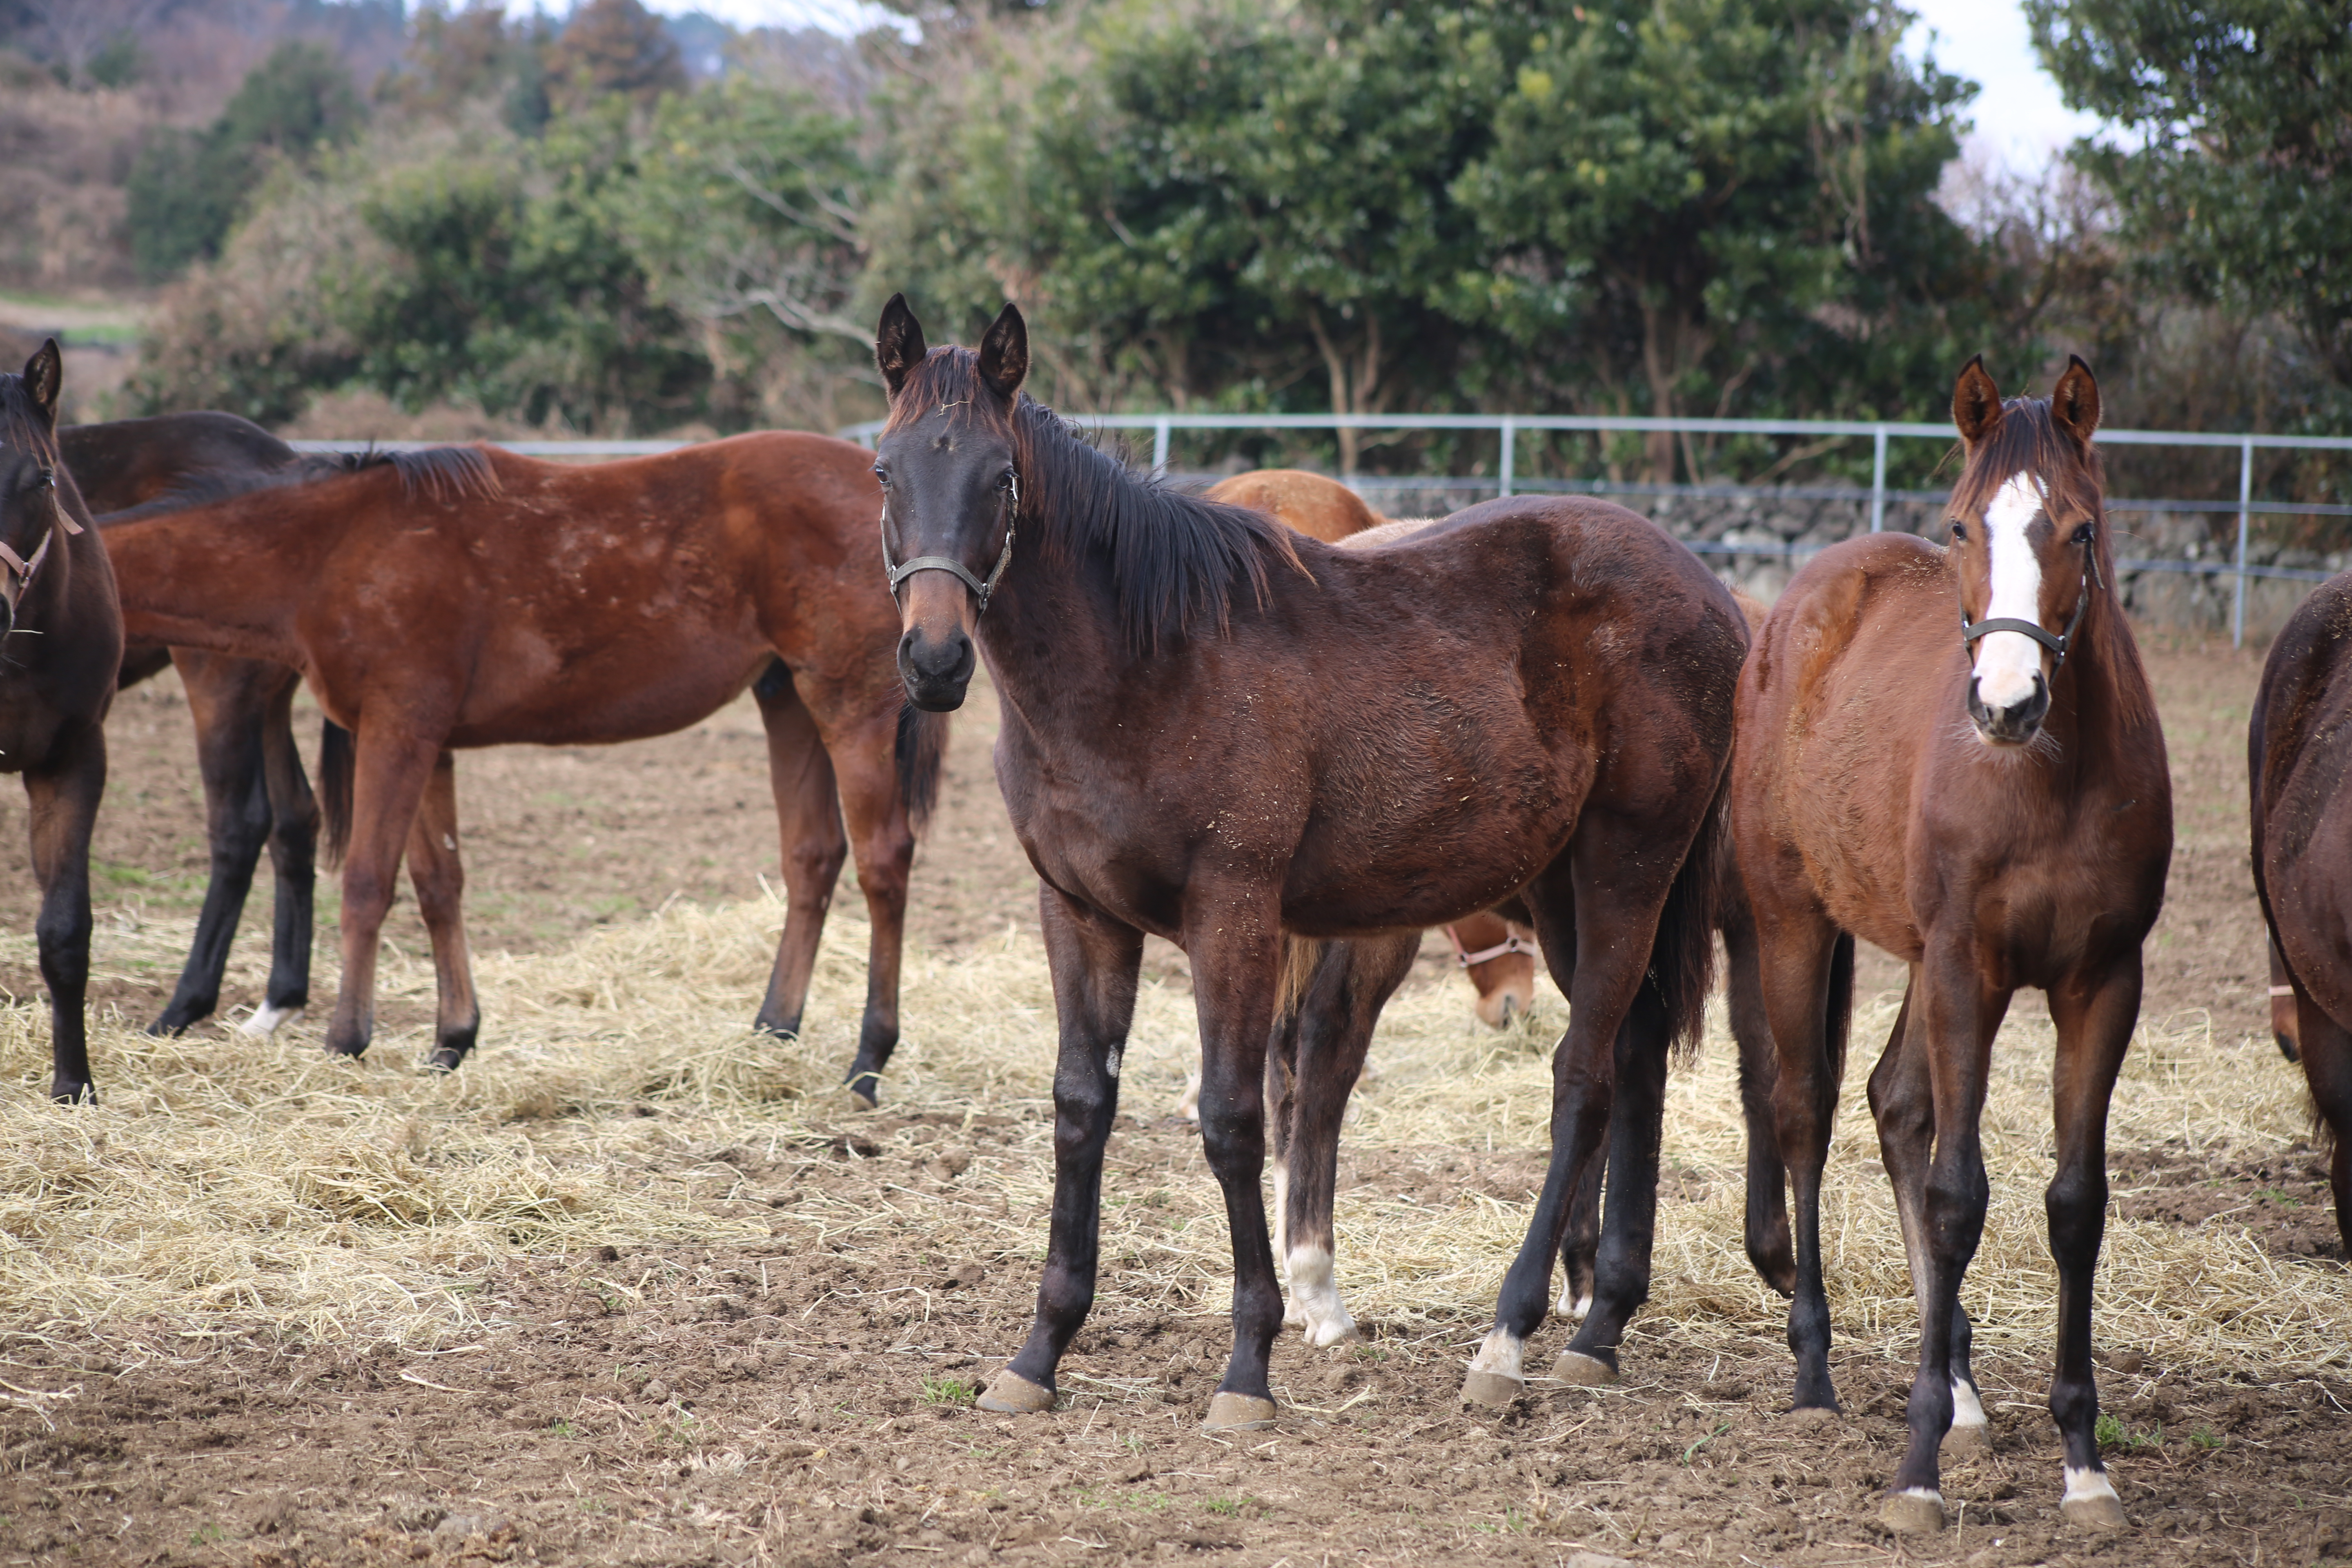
{"points": [[468, 598], [1315, 504], [1221, 732], [255, 791], [2298, 746], [1954, 754], [61, 646]]}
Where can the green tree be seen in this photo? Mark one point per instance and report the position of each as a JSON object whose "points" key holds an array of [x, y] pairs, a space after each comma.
{"points": [[185, 190], [609, 47], [2239, 188], [1695, 206]]}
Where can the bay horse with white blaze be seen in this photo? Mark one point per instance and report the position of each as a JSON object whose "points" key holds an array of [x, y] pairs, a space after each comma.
{"points": [[1953, 753], [2298, 752], [1223, 733], [465, 596], [61, 646]]}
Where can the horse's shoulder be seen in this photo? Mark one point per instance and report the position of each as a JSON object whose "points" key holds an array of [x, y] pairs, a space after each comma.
{"points": [[2306, 681]]}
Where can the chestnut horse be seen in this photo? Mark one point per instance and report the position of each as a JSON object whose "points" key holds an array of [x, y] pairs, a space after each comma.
{"points": [[255, 791], [62, 637], [467, 597], [2298, 746], [1954, 753], [1223, 733]]}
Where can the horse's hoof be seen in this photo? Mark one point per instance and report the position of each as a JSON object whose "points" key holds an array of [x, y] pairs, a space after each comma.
{"points": [[1491, 1389], [444, 1061], [1010, 1393], [73, 1094], [268, 1019], [1917, 1512], [864, 1091], [2095, 1512], [1580, 1371], [353, 1052], [1333, 1331], [1814, 1417], [1238, 1412], [1967, 1442]]}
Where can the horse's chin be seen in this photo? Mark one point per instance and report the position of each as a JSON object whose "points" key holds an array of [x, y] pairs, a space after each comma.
{"points": [[938, 696]]}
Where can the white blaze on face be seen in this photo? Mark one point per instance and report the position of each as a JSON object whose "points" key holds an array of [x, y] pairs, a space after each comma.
{"points": [[2008, 662]]}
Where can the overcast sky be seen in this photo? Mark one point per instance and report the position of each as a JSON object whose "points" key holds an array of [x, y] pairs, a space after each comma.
{"points": [[2018, 112]]}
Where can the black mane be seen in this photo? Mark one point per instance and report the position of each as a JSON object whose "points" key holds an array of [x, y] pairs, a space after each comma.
{"points": [[443, 473], [1173, 558]]}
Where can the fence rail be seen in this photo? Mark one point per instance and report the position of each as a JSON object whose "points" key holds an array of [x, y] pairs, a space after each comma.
{"points": [[1507, 428]]}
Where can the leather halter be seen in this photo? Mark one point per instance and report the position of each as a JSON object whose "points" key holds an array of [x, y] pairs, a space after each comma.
{"points": [[980, 589], [17, 563], [1512, 943], [2057, 642]]}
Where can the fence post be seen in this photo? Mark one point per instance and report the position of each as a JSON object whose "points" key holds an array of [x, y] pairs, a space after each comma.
{"points": [[1879, 480], [1159, 447], [2245, 497], [1511, 451]]}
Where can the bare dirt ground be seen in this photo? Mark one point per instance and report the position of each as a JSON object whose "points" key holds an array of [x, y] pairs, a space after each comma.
{"points": [[791, 1384]]}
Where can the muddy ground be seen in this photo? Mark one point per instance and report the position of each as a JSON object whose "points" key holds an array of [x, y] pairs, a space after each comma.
{"points": [[808, 1400]]}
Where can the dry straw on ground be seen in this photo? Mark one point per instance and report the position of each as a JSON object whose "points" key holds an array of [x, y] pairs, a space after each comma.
{"points": [[230, 1189]]}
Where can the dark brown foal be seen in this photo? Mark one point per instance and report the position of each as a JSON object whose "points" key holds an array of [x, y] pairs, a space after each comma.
{"points": [[1953, 753], [1225, 734], [61, 647]]}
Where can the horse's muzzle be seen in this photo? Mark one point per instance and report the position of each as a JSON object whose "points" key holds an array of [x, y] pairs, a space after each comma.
{"points": [[937, 671], [2014, 725]]}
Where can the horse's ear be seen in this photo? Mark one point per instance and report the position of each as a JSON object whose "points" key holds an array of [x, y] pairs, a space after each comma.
{"points": [[1976, 402], [45, 376], [1004, 352], [898, 344], [2074, 404]]}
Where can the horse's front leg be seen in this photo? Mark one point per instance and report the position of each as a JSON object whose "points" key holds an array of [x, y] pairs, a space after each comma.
{"points": [[2094, 1015], [882, 842], [392, 768], [237, 823], [1956, 1017], [1094, 961], [63, 794], [294, 859], [1235, 945], [439, 874]]}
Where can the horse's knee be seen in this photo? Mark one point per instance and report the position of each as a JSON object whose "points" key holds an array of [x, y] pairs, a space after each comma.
{"points": [[816, 864]]}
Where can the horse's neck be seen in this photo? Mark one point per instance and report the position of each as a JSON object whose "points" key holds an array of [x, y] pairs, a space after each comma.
{"points": [[228, 577]]}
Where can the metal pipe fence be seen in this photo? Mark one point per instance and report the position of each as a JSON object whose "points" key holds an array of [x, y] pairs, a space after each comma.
{"points": [[1507, 480]]}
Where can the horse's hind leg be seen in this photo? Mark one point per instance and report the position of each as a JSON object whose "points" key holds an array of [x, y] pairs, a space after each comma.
{"points": [[1901, 1102], [2094, 1016], [229, 755], [1621, 1273], [1094, 962], [294, 856], [2327, 1067], [63, 794], [808, 820], [1769, 1249], [1806, 969], [439, 877], [1336, 1019]]}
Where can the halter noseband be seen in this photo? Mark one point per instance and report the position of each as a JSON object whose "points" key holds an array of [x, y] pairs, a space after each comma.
{"points": [[2057, 642], [1512, 943], [59, 519], [980, 589]]}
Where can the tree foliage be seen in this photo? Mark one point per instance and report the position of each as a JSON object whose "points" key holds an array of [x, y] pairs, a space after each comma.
{"points": [[2234, 176]]}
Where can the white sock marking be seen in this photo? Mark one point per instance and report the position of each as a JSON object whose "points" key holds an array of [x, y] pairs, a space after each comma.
{"points": [[1316, 1294], [1968, 1410], [1500, 1352], [2008, 662], [2084, 1486], [267, 1020], [1572, 1306], [1188, 1104], [1110, 1062]]}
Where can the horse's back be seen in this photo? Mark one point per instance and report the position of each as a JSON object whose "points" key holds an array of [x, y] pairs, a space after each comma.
{"points": [[123, 463], [1313, 504]]}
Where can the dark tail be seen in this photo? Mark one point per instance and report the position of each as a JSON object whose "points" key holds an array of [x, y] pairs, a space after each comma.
{"points": [[336, 757], [1841, 1009], [922, 754], [1682, 958]]}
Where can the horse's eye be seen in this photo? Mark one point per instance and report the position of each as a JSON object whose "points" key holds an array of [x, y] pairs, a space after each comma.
{"points": [[1960, 533], [49, 478], [1007, 479], [2083, 534], [882, 474]]}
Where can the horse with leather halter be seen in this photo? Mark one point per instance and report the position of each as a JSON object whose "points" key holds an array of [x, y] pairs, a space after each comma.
{"points": [[1223, 733], [255, 791], [61, 647], [465, 596], [2298, 747], [1954, 753]]}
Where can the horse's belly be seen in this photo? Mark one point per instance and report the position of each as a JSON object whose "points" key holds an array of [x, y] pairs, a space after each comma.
{"points": [[606, 699]]}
